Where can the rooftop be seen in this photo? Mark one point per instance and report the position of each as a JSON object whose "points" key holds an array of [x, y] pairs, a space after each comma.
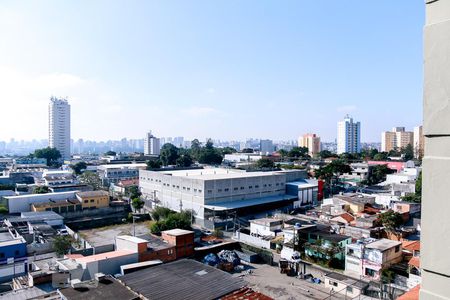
{"points": [[347, 280], [177, 232], [411, 245], [383, 244], [123, 166], [106, 288], [266, 221], [92, 194], [103, 256], [182, 280], [216, 173]]}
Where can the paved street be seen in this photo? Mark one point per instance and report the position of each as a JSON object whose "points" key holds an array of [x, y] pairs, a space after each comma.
{"points": [[268, 280]]}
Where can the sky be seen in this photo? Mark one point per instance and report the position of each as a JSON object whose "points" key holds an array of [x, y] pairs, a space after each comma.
{"points": [[228, 69]]}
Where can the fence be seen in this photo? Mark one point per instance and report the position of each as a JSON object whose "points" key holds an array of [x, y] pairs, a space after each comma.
{"points": [[253, 240]]}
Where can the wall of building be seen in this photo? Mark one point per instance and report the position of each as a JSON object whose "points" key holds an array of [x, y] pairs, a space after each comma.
{"points": [[17, 204]]}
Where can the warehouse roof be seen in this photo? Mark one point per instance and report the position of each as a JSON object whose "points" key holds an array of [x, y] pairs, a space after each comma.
{"points": [[182, 280]]}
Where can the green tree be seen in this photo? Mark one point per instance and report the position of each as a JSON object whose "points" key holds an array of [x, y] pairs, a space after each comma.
{"points": [[209, 155], [52, 155], [79, 167], [41, 190], [169, 154], [419, 185], [3, 210], [62, 244], [381, 156], [298, 152], [161, 213], [283, 153], [195, 148], [184, 160], [137, 204], [92, 179], [247, 150], [154, 164], [408, 152], [157, 227], [134, 192], [332, 171], [111, 153], [227, 150], [265, 163], [378, 174], [391, 220], [326, 154]]}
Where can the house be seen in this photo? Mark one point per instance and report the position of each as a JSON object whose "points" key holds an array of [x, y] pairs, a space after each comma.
{"points": [[411, 248], [414, 272], [345, 285], [93, 199], [369, 257], [265, 227], [13, 254], [317, 238], [356, 203], [344, 219], [183, 240]]}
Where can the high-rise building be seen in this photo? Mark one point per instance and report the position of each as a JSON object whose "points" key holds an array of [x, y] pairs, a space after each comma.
{"points": [[398, 138], [310, 141], [59, 126], [266, 146], [435, 223], [178, 141], [151, 144], [348, 136], [419, 142]]}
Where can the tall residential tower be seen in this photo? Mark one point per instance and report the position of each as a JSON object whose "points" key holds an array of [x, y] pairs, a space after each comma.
{"points": [[310, 141], [59, 126], [152, 145], [348, 136]]}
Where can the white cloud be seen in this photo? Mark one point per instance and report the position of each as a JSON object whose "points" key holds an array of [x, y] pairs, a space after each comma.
{"points": [[347, 108]]}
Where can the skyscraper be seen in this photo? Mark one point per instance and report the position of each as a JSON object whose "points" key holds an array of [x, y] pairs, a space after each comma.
{"points": [[266, 147], [151, 144], [348, 136], [419, 142], [59, 126], [310, 141], [398, 138]]}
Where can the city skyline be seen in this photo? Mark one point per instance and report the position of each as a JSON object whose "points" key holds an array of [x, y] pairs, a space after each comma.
{"points": [[134, 69]]}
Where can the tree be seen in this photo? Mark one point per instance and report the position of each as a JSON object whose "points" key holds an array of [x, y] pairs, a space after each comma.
{"points": [[331, 171], [52, 155], [265, 163], [408, 152], [378, 174], [137, 204], [228, 150], [298, 152], [111, 153], [78, 167], [195, 148], [326, 154], [283, 153], [41, 190], [391, 220], [160, 213], [184, 160], [417, 196], [247, 150], [381, 156], [62, 244], [154, 164], [209, 155], [134, 192], [92, 179], [169, 154], [157, 227], [3, 210]]}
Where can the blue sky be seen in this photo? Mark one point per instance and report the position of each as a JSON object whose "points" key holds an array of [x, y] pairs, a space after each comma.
{"points": [[221, 69]]}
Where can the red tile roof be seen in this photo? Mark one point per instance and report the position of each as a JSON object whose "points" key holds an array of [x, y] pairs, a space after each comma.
{"points": [[246, 293], [412, 294], [411, 245], [347, 217], [414, 261]]}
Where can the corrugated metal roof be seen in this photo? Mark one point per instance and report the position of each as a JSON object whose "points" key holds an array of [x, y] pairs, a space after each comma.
{"points": [[182, 280]]}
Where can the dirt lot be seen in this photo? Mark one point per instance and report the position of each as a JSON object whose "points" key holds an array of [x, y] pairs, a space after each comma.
{"points": [[106, 235], [268, 280]]}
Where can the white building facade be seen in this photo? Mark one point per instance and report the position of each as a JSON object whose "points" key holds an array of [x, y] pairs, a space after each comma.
{"points": [[152, 145], [59, 126], [348, 136]]}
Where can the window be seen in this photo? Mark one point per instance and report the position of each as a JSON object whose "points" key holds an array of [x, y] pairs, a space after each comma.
{"points": [[199, 191], [209, 191], [397, 248], [242, 187], [86, 201], [349, 289], [227, 189], [256, 186], [370, 272], [250, 186], [333, 283], [235, 188], [219, 190], [92, 200]]}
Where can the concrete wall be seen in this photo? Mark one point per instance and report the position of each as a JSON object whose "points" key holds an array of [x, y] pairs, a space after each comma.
{"points": [[435, 260], [17, 204]]}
